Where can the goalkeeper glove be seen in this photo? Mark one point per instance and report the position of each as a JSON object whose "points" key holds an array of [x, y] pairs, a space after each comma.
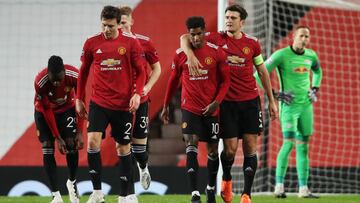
{"points": [[312, 94], [286, 97]]}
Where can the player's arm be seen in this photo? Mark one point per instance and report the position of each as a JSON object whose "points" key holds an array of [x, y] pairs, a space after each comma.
{"points": [[171, 88], [316, 79], [43, 104], [193, 62], [153, 59], [224, 73], [79, 121], [265, 81], [86, 61], [270, 64], [139, 65]]}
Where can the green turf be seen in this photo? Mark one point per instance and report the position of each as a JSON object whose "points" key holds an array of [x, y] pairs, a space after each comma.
{"points": [[186, 199]]}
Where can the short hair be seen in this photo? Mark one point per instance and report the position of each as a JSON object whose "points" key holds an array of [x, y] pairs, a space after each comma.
{"points": [[237, 8], [195, 22], [302, 27], [125, 10], [55, 64], [111, 12]]}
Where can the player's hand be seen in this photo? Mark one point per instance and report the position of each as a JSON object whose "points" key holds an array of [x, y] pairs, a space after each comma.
{"points": [[210, 109], [273, 110], [194, 66], [79, 141], [134, 103], [61, 145], [146, 91], [165, 115], [286, 97], [80, 109], [312, 94]]}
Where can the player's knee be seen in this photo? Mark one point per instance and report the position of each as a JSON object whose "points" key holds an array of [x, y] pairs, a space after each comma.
{"points": [[47, 144], [122, 149], [71, 145], [230, 154]]}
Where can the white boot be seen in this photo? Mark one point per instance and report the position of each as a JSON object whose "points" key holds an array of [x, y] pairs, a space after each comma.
{"points": [[304, 192], [145, 178], [279, 190], [73, 194], [56, 197], [96, 197]]}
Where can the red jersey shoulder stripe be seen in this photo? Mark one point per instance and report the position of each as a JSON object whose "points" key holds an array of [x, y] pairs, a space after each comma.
{"points": [[128, 35], [212, 45], [71, 73], [250, 37], [143, 37], [43, 80], [179, 50]]}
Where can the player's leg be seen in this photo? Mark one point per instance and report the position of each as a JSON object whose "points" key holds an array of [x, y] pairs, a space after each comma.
{"points": [[210, 135], [121, 130], [139, 143], [190, 129], [98, 120], [251, 125], [305, 130], [229, 133], [289, 115], [48, 148], [66, 122]]}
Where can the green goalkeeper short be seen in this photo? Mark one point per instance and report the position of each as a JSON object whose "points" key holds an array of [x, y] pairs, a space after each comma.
{"points": [[297, 119]]}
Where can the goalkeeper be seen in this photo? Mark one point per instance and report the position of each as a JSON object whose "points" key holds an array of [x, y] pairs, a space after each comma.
{"points": [[296, 97]]}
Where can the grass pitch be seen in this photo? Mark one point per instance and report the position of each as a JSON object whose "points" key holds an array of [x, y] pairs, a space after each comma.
{"points": [[186, 199]]}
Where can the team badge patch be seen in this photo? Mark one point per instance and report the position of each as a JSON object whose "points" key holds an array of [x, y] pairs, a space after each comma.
{"points": [[121, 50], [184, 125], [246, 50], [67, 89], [208, 60]]}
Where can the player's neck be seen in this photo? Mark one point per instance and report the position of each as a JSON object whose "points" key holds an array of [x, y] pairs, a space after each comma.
{"points": [[297, 50], [236, 35]]}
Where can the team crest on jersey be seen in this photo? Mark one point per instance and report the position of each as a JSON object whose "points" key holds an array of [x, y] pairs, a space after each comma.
{"points": [[209, 60], [121, 50], [67, 89], [301, 70], [246, 50], [110, 62], [235, 59], [184, 125]]}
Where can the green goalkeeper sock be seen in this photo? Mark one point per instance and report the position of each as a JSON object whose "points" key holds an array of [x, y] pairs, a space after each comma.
{"points": [[302, 163], [282, 160]]}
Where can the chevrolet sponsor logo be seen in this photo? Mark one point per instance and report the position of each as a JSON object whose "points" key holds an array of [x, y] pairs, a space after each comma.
{"points": [[110, 62], [235, 59]]}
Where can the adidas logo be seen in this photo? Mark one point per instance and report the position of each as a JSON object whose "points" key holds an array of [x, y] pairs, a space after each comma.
{"points": [[248, 169], [214, 137], [127, 137], [146, 131], [92, 171], [225, 46], [99, 51], [191, 170], [123, 178]]}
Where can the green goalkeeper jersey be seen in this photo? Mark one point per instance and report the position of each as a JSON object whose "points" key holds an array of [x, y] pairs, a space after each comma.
{"points": [[294, 71]]}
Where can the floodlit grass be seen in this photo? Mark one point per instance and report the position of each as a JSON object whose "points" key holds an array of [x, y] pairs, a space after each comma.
{"points": [[186, 199]]}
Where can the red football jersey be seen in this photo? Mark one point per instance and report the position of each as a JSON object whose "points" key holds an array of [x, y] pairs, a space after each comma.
{"points": [[150, 54], [114, 62], [199, 91], [50, 99], [240, 54]]}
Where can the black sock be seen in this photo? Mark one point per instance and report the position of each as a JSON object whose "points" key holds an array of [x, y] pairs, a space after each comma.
{"points": [[50, 167], [226, 166], [250, 166], [192, 166], [213, 167], [126, 174], [72, 160], [131, 187], [94, 160], [140, 154]]}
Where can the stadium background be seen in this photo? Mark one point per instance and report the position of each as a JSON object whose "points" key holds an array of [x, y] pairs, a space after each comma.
{"points": [[35, 29]]}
